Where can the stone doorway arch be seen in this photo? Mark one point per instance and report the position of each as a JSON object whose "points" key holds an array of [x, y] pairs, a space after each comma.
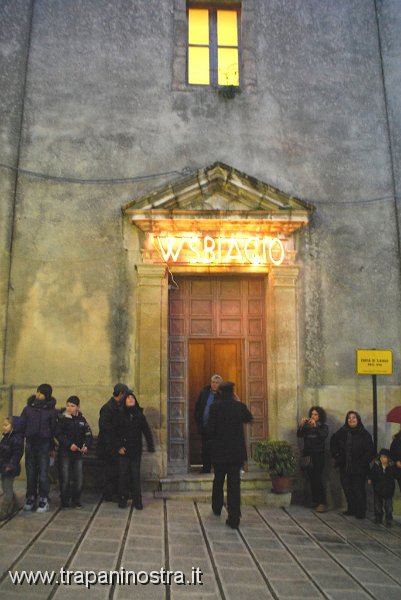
{"points": [[217, 221]]}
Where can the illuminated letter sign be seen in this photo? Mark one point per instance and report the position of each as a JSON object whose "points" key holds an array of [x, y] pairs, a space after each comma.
{"points": [[167, 248], [208, 250]]}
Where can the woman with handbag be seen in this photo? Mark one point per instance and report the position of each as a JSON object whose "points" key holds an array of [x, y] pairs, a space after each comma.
{"points": [[314, 431]]}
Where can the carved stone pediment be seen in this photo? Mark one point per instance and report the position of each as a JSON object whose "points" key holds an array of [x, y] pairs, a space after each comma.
{"points": [[215, 199]]}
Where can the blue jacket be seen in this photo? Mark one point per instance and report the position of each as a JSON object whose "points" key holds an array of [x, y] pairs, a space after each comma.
{"points": [[12, 449], [40, 417]]}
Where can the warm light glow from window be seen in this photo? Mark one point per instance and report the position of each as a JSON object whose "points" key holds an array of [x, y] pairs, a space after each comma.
{"points": [[198, 50], [228, 66], [210, 45], [198, 65], [198, 26], [227, 57], [227, 31]]}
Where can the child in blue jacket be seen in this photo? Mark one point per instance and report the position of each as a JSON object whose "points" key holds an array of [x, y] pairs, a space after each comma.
{"points": [[11, 451]]}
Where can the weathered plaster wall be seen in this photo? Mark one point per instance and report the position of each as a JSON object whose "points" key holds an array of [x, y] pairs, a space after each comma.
{"points": [[14, 40], [99, 104]]}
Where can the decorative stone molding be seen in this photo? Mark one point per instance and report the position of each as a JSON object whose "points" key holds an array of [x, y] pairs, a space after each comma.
{"points": [[282, 344], [218, 206]]}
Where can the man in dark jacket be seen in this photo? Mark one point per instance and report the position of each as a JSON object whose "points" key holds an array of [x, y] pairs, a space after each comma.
{"points": [[225, 428], [105, 443], [75, 437], [202, 408], [40, 417]]}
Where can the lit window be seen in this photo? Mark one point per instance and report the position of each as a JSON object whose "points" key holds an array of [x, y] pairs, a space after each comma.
{"points": [[213, 46]]}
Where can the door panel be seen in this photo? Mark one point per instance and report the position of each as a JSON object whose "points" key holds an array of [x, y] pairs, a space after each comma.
{"points": [[205, 358]]}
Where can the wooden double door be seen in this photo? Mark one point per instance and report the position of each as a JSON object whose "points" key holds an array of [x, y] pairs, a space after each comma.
{"points": [[216, 325], [207, 357]]}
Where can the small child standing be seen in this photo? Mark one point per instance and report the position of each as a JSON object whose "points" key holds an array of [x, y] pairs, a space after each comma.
{"points": [[75, 437], [382, 476], [11, 451]]}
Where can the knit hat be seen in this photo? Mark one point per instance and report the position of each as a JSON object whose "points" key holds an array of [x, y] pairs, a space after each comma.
{"points": [[73, 400], [384, 452], [45, 389], [119, 388]]}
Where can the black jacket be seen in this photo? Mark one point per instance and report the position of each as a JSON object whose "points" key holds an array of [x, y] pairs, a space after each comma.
{"points": [[383, 480], [129, 425], [352, 449], [395, 454], [40, 418], [12, 449], [73, 429], [225, 427], [105, 441], [314, 437]]}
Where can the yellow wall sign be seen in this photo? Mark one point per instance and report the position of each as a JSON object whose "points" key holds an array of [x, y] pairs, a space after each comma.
{"points": [[374, 362]]}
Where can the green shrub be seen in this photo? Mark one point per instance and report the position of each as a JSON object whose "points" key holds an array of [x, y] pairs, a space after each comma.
{"points": [[277, 456]]}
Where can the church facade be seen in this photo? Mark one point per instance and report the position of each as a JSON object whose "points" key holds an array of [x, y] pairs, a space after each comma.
{"points": [[190, 188]]}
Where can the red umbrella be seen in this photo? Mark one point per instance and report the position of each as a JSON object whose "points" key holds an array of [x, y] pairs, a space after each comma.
{"points": [[394, 416]]}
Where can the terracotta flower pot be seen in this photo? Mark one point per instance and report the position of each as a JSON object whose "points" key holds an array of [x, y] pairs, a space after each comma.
{"points": [[280, 484]]}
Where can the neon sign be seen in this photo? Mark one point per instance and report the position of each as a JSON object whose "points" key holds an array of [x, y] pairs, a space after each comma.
{"points": [[208, 250]]}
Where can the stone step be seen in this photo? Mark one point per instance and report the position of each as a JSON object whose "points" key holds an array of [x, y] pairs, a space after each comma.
{"points": [[197, 487], [203, 482], [248, 498]]}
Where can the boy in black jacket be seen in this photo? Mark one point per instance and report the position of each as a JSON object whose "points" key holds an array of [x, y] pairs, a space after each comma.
{"points": [[74, 437], [382, 476]]}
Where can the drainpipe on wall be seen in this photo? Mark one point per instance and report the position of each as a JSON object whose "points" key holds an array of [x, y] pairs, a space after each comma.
{"points": [[390, 139], [14, 196]]}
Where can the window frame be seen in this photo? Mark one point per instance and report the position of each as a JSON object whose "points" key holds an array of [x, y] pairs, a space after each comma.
{"points": [[213, 45]]}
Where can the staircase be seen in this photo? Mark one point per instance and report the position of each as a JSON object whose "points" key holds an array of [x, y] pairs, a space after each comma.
{"points": [[197, 487]]}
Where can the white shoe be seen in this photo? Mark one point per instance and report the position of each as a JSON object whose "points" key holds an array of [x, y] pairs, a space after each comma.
{"points": [[29, 504], [43, 506]]}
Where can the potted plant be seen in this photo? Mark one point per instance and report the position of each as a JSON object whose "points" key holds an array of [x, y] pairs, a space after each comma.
{"points": [[228, 91], [277, 457]]}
